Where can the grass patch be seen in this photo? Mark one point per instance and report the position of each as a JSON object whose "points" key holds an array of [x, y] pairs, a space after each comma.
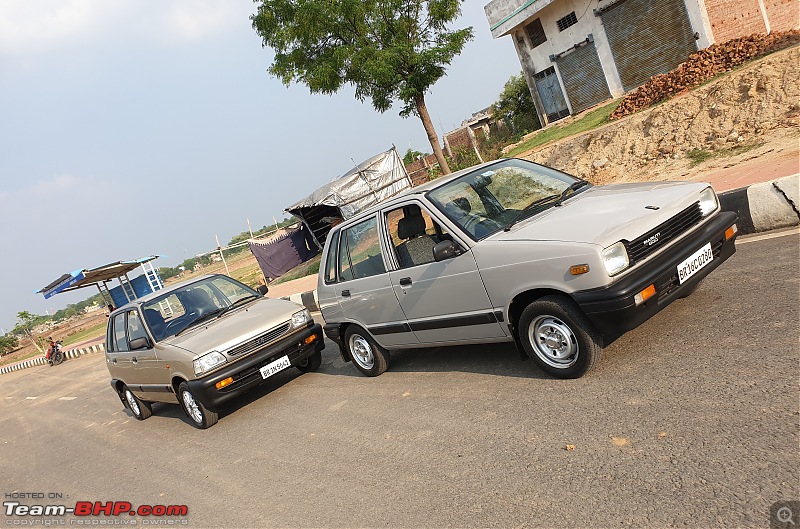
{"points": [[308, 268], [86, 334], [698, 156], [591, 120], [9, 359]]}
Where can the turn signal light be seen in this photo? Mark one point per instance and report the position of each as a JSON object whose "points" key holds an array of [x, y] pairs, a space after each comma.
{"points": [[226, 382], [645, 294], [310, 339], [577, 270], [730, 232]]}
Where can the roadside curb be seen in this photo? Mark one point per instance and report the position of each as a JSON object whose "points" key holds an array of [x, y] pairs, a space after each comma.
{"points": [[40, 360], [765, 206]]}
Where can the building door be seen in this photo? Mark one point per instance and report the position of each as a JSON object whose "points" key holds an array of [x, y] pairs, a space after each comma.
{"points": [[549, 90], [647, 37], [583, 77]]}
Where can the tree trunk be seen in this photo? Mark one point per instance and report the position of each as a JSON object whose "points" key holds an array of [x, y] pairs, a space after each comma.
{"points": [[36, 345], [422, 111]]}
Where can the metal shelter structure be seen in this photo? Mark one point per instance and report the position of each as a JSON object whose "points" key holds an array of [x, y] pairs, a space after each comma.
{"points": [[102, 275]]}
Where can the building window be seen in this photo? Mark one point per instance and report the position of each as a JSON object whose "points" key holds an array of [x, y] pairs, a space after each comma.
{"points": [[567, 21], [535, 33]]}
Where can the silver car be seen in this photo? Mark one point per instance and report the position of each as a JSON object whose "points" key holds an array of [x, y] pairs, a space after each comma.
{"points": [[516, 251], [202, 342]]}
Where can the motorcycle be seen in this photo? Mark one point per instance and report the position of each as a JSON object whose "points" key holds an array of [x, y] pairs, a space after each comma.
{"points": [[54, 353]]}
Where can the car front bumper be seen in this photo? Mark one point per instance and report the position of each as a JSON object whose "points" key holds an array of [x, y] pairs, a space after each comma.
{"points": [[613, 310], [245, 372]]}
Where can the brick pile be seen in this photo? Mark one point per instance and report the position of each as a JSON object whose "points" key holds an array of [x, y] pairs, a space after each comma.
{"points": [[702, 66]]}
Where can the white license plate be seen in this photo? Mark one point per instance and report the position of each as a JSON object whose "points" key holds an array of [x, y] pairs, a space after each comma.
{"points": [[695, 262], [273, 367]]}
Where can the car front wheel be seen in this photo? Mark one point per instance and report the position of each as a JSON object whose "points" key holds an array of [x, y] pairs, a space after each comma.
{"points": [[368, 357], [559, 337], [200, 416], [140, 409]]}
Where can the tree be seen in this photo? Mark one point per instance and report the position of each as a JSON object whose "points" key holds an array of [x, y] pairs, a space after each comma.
{"points": [[387, 49], [412, 155], [25, 324], [516, 107], [7, 344]]}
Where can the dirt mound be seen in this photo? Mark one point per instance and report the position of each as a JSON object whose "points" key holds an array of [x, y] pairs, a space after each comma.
{"points": [[702, 66], [743, 108]]}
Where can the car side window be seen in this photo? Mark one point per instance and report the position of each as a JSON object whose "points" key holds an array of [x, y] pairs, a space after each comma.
{"points": [[135, 326], [330, 264], [120, 336], [414, 234], [360, 251]]}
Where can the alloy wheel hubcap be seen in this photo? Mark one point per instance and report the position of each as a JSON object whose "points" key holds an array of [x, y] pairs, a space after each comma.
{"points": [[362, 351], [192, 407], [132, 402], [553, 341]]}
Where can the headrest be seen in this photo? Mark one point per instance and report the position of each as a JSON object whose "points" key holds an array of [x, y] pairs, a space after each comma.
{"points": [[411, 226]]}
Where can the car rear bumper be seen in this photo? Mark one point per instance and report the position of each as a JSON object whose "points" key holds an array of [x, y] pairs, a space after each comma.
{"points": [[246, 374], [613, 310]]}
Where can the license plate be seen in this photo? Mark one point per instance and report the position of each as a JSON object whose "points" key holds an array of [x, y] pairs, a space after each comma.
{"points": [[695, 262], [273, 367]]}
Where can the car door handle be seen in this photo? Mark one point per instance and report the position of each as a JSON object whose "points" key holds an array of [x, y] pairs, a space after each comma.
{"points": [[405, 281], [134, 360], [113, 360], [346, 293]]}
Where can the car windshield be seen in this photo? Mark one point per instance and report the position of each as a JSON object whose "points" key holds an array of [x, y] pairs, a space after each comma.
{"points": [[493, 198], [176, 311]]}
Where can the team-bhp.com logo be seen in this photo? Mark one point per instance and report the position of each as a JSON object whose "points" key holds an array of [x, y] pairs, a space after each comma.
{"points": [[90, 510]]}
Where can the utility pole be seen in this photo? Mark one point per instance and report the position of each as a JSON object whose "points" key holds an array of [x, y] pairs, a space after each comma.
{"points": [[219, 247]]}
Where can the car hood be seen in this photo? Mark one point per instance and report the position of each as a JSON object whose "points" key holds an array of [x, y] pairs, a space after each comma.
{"points": [[606, 214], [236, 327]]}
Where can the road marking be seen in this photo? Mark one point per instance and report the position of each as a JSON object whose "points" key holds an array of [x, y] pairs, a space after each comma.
{"points": [[774, 235], [67, 398], [31, 398]]}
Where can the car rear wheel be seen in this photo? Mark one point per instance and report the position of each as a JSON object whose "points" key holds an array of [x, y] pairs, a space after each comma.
{"points": [[311, 363], [559, 337], [200, 416], [368, 357], [140, 409]]}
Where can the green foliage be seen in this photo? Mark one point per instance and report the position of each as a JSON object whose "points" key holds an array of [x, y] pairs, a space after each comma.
{"points": [[387, 49], [412, 155], [516, 107], [8, 343], [463, 158], [26, 321]]}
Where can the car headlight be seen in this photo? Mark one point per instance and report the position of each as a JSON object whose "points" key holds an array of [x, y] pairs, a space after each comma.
{"points": [[207, 362], [708, 201], [615, 258], [299, 319]]}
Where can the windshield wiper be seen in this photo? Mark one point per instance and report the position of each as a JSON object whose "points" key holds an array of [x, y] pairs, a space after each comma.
{"points": [[555, 199], [240, 301], [206, 316], [573, 187]]}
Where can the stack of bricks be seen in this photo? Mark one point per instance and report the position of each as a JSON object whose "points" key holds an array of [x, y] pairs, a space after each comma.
{"points": [[702, 66]]}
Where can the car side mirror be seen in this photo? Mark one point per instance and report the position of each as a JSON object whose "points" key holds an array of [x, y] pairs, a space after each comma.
{"points": [[262, 289], [445, 250], [140, 343]]}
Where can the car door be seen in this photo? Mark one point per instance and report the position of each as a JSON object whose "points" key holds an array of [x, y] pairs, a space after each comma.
{"points": [[444, 301], [117, 353], [363, 289], [151, 376]]}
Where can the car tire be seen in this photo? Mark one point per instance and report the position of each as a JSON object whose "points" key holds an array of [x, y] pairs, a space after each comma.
{"points": [[311, 363], [139, 408], [368, 357], [200, 416], [559, 337]]}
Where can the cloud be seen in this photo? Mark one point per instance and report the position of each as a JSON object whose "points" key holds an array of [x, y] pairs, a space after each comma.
{"points": [[39, 26]]}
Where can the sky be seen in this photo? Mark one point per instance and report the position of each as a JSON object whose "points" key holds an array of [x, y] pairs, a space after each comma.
{"points": [[148, 127]]}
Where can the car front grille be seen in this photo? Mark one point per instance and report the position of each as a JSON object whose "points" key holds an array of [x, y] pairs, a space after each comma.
{"points": [[261, 340], [655, 239]]}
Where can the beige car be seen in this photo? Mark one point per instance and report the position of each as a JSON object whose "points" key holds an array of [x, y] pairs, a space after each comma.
{"points": [[202, 342]]}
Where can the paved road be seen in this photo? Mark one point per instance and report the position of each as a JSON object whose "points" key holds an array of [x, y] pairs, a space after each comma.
{"points": [[690, 420]]}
